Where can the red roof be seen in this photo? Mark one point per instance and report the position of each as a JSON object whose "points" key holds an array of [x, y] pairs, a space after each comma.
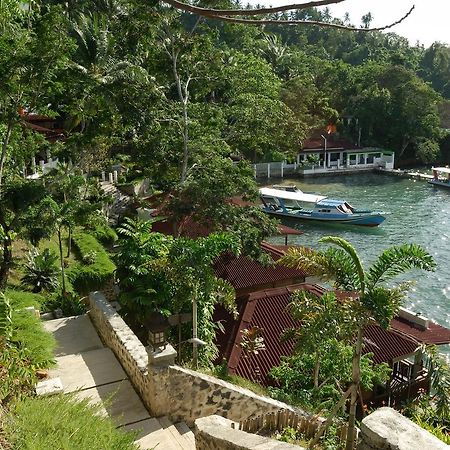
{"points": [[267, 310], [435, 334], [285, 230], [387, 345], [246, 274], [317, 143]]}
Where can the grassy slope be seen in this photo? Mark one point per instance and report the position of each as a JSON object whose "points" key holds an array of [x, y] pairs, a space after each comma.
{"points": [[60, 422]]}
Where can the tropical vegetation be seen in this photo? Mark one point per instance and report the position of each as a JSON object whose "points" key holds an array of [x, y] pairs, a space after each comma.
{"points": [[375, 300], [188, 104]]}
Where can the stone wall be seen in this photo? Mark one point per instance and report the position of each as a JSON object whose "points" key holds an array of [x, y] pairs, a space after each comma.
{"points": [[387, 429], [214, 432], [181, 394], [116, 334], [188, 395]]}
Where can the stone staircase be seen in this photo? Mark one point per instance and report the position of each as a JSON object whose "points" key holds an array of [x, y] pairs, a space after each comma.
{"points": [[120, 204], [163, 434], [90, 370]]}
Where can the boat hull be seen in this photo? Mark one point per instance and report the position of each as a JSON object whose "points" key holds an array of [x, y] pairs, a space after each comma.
{"points": [[444, 184], [365, 220]]}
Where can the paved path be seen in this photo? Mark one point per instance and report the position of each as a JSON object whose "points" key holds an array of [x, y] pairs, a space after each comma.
{"points": [[87, 367]]}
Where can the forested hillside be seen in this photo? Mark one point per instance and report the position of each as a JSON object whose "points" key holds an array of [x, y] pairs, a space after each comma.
{"points": [[170, 90]]}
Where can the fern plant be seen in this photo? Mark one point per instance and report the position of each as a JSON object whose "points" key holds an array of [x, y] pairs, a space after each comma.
{"points": [[41, 272]]}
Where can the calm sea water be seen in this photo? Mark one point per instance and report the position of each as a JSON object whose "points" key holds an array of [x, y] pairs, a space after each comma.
{"points": [[417, 212]]}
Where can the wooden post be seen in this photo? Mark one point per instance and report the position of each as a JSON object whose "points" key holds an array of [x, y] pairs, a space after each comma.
{"points": [[282, 169], [268, 170]]}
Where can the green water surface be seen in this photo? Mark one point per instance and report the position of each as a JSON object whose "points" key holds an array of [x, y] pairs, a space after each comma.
{"points": [[416, 212]]}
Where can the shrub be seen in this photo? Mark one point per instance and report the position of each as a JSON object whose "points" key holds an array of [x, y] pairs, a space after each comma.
{"points": [[53, 423], [69, 303], [41, 271], [24, 347], [17, 373], [90, 277]]}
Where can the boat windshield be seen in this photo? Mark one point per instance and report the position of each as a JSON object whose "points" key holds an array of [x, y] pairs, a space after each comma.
{"points": [[350, 207], [345, 208]]}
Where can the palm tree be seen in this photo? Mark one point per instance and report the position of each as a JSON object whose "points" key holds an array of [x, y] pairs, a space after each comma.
{"points": [[98, 61], [375, 300]]}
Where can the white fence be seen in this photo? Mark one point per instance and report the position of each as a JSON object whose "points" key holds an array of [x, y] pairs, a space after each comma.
{"points": [[274, 169]]}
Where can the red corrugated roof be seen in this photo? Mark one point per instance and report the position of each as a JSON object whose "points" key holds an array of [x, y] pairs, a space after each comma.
{"points": [[244, 273], [332, 143], [267, 310], [387, 345], [434, 334]]}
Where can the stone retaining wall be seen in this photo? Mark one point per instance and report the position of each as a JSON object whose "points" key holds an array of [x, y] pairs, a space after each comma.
{"points": [[388, 429], [117, 335], [215, 432], [181, 394]]}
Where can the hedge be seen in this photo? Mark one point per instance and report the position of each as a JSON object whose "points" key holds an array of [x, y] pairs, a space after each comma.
{"points": [[92, 276], [104, 234]]}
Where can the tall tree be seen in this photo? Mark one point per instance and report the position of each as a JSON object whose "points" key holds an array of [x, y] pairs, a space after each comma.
{"points": [[34, 50]]}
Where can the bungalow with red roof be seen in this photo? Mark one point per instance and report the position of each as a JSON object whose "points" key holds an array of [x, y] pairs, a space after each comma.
{"points": [[325, 153], [397, 346]]}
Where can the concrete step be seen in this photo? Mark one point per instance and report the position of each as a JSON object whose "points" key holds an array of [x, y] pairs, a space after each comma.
{"points": [[186, 432], [119, 401], [184, 442], [151, 434], [87, 370], [74, 335]]}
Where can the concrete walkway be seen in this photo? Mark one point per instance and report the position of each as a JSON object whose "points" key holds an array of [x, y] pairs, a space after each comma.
{"points": [[87, 367]]}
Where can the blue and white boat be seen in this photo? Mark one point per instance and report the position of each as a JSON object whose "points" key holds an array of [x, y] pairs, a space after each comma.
{"points": [[295, 204], [441, 177]]}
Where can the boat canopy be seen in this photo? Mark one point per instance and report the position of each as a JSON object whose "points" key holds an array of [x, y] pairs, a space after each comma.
{"points": [[330, 203], [441, 169], [298, 196]]}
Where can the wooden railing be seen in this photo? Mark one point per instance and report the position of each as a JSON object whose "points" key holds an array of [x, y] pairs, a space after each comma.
{"points": [[272, 422], [307, 426], [400, 390]]}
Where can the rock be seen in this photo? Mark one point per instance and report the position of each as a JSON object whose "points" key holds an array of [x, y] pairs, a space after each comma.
{"points": [[388, 429], [58, 314], [49, 387]]}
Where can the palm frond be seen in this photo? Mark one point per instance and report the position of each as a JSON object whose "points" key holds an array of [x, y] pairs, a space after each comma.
{"points": [[350, 250], [383, 303], [397, 260], [306, 260]]}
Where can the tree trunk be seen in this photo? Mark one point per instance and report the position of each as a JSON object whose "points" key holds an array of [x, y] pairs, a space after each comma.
{"points": [[316, 370], [184, 102], [6, 261], [356, 379], [5, 144], [69, 243], [324, 427], [61, 260], [405, 144], [194, 331]]}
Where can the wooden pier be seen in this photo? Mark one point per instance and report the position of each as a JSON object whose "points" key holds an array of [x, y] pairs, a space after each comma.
{"points": [[406, 173]]}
